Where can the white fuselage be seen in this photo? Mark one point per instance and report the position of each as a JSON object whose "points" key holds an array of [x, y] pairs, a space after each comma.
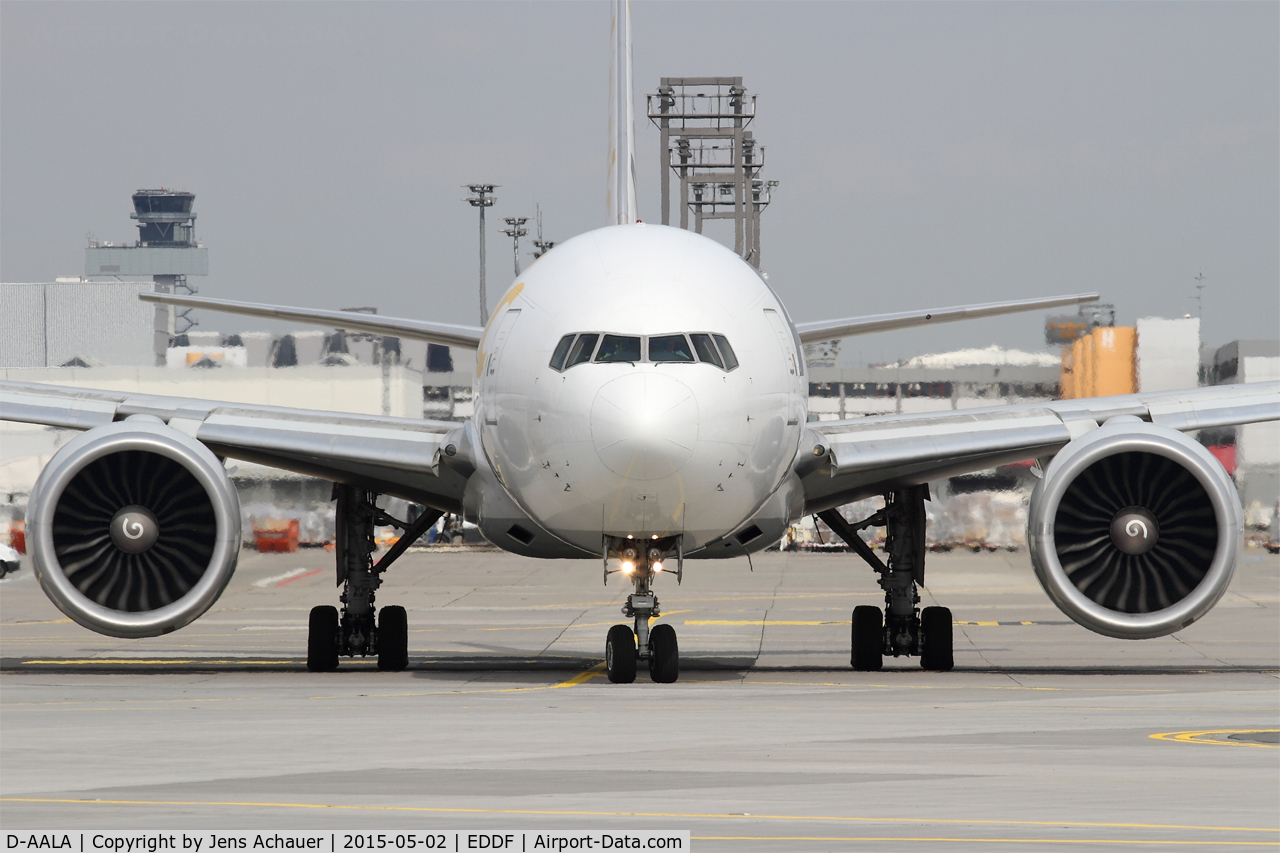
{"points": [[650, 447]]}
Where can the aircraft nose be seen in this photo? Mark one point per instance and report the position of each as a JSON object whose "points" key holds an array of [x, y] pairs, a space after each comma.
{"points": [[644, 425]]}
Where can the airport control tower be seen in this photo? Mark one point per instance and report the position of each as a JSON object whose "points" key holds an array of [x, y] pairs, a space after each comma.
{"points": [[166, 250]]}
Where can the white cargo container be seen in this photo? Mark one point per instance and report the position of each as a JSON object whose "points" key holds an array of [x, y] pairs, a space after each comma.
{"points": [[1168, 353]]}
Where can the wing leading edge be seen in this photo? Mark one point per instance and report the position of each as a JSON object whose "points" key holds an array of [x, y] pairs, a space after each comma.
{"points": [[827, 330], [866, 456], [448, 334], [396, 456]]}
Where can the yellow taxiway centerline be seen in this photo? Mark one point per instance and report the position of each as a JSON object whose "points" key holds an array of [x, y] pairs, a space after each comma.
{"points": [[159, 662], [1200, 737], [828, 622], [686, 815]]}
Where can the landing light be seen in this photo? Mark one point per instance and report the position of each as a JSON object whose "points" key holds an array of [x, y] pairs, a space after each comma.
{"points": [[657, 567], [628, 567]]}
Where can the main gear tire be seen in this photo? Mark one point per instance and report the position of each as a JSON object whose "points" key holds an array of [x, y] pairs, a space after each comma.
{"points": [[322, 639], [393, 639], [935, 625], [664, 654], [620, 654], [867, 639]]}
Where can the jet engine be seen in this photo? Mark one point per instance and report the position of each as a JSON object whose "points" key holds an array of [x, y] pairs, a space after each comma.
{"points": [[134, 528], [1134, 530]]}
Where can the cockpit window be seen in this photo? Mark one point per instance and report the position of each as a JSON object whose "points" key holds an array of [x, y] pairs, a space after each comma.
{"points": [[582, 349], [670, 348], [562, 350], [619, 348], [706, 349], [730, 360]]}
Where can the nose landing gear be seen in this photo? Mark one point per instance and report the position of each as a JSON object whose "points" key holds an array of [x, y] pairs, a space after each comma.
{"points": [[355, 631], [905, 629], [627, 644]]}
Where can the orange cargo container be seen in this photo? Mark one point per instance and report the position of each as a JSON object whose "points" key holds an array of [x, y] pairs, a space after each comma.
{"points": [[276, 534], [1100, 364]]}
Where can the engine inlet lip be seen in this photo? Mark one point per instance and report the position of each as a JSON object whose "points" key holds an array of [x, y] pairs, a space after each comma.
{"points": [[150, 435], [1131, 436]]}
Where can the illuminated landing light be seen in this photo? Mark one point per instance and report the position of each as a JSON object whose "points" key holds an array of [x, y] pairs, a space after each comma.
{"points": [[655, 536], [628, 567], [657, 567]]}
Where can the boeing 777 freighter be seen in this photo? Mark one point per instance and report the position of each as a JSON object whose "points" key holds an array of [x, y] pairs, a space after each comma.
{"points": [[641, 401]]}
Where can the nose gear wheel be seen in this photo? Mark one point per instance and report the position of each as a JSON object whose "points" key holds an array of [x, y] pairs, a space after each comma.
{"points": [[625, 645]]}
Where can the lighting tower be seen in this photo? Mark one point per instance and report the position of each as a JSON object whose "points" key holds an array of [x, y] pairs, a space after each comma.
{"points": [[706, 144], [515, 232], [541, 246], [482, 197]]}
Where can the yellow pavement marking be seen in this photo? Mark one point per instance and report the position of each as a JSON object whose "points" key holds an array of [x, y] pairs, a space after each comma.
{"points": [[585, 813], [115, 702], [823, 622], [586, 675], [160, 661], [760, 622], [581, 678], [1200, 737], [39, 622]]}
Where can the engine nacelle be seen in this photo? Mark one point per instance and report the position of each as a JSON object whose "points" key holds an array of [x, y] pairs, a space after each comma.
{"points": [[1134, 530], [134, 528]]}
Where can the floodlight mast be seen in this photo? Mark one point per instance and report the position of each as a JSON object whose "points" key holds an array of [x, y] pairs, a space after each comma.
{"points": [[482, 197], [515, 232], [541, 246]]}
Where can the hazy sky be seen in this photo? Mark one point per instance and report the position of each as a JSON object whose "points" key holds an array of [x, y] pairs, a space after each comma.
{"points": [[928, 154]]}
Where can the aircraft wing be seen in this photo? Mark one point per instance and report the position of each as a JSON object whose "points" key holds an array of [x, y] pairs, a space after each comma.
{"points": [[448, 334], [396, 456], [827, 330], [867, 456]]}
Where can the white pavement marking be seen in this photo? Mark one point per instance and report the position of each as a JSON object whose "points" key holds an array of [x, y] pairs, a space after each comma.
{"points": [[274, 579]]}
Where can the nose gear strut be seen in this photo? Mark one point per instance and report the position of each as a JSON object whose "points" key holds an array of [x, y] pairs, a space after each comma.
{"points": [[642, 560], [355, 632], [905, 630]]}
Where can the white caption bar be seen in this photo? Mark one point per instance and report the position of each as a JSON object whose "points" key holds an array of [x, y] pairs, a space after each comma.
{"points": [[453, 840]]}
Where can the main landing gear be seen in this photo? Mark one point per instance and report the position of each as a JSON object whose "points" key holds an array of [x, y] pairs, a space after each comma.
{"points": [[641, 561], [903, 629], [354, 631]]}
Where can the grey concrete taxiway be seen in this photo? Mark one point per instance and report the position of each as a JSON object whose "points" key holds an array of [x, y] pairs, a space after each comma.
{"points": [[1044, 735]]}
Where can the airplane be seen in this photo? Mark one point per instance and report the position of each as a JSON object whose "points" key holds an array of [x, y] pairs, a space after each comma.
{"points": [[641, 400]]}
